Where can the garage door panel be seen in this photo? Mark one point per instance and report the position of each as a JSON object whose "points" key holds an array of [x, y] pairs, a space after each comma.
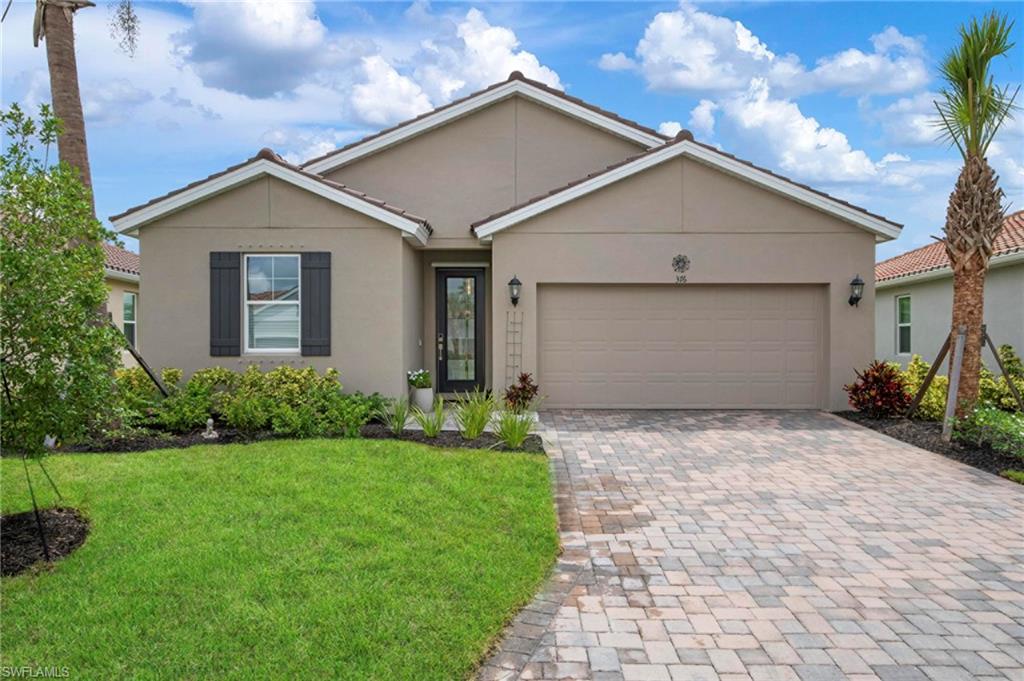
{"points": [[688, 346]]}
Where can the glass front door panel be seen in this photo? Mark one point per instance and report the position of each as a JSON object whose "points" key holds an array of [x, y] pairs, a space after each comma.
{"points": [[461, 325]]}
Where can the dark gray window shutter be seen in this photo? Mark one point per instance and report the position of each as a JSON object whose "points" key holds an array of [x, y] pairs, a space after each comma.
{"points": [[225, 304], [316, 304]]}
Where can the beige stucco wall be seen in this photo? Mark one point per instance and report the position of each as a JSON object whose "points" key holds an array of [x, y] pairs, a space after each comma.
{"points": [[733, 232], [931, 314], [371, 270], [412, 308], [115, 306], [483, 163]]}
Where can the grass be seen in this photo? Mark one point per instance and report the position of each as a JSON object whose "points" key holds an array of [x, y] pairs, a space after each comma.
{"points": [[1016, 476], [323, 558]]}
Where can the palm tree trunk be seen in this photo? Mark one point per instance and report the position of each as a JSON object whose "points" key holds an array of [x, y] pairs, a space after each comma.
{"points": [[969, 313], [67, 100]]}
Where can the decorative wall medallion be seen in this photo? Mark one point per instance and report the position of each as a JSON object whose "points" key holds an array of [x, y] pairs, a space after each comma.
{"points": [[680, 264]]}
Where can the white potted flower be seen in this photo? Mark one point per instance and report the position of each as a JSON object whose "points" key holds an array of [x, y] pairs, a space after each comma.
{"points": [[422, 389]]}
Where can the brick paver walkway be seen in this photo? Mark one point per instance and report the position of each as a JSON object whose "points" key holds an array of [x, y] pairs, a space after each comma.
{"points": [[769, 546]]}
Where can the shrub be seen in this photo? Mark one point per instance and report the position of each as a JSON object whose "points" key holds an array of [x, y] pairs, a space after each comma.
{"points": [[1002, 431], [289, 421], [520, 396], [879, 391], [220, 383], [395, 415], [247, 413], [185, 410], [431, 422], [933, 405], [1011, 361], [995, 390], [419, 378], [346, 414], [59, 352], [170, 377], [473, 411], [513, 428]]}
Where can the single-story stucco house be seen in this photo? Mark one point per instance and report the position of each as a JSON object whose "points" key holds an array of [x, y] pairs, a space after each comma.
{"points": [[914, 298], [654, 272], [122, 278]]}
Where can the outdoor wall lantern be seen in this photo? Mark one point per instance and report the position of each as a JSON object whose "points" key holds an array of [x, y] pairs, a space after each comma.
{"points": [[514, 288], [856, 290]]}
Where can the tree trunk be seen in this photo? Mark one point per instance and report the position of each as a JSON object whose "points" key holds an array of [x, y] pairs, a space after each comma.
{"points": [[67, 100], [969, 312]]}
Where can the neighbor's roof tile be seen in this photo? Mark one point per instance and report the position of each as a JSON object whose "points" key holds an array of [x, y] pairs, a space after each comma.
{"points": [[933, 256], [121, 260]]}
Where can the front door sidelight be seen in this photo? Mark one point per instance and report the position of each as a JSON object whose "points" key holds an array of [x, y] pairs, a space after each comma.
{"points": [[460, 329]]}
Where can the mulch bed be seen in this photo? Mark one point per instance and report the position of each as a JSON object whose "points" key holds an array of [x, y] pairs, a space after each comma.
{"points": [[928, 435], [160, 440], [20, 546], [450, 439]]}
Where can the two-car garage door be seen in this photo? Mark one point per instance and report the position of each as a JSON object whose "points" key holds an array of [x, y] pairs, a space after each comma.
{"points": [[684, 346]]}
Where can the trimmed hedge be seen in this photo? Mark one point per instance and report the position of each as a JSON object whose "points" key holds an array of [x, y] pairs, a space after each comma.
{"points": [[287, 401]]}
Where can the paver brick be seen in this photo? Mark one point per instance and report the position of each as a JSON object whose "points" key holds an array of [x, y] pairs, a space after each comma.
{"points": [[748, 545]]}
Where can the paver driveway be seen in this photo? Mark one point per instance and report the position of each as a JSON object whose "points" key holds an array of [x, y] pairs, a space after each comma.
{"points": [[770, 545]]}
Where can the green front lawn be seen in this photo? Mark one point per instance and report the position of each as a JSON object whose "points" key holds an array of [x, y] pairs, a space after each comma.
{"points": [[315, 559]]}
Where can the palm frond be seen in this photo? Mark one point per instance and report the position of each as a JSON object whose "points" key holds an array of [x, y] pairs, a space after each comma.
{"points": [[972, 107]]}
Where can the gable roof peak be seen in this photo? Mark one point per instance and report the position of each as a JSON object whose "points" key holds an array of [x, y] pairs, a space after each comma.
{"points": [[517, 84]]}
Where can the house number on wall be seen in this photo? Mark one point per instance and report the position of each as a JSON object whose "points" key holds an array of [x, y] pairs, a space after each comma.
{"points": [[680, 264]]}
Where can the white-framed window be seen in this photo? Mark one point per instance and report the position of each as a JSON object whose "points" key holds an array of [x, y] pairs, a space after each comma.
{"points": [[903, 325], [272, 303], [129, 310]]}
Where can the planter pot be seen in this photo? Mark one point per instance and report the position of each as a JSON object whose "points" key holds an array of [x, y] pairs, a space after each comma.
{"points": [[423, 398]]}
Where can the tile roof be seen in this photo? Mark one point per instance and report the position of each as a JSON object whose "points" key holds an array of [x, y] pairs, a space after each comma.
{"points": [[681, 136], [121, 260], [515, 75], [266, 154], [933, 256]]}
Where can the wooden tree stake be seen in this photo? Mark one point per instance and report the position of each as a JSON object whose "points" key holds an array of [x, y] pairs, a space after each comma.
{"points": [[999, 360], [929, 377], [954, 384]]}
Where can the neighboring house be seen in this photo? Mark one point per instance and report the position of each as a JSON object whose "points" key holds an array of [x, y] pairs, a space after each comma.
{"points": [[122, 276], [914, 298], [654, 272]]}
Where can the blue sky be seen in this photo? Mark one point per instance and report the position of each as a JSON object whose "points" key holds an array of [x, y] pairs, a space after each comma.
{"points": [[836, 95]]}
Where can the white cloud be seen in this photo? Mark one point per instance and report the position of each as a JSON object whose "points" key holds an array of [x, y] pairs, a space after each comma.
{"points": [[800, 144], [113, 101], [670, 128], [252, 47], [702, 117], [296, 146], [692, 51], [910, 120], [616, 62], [472, 56], [387, 96]]}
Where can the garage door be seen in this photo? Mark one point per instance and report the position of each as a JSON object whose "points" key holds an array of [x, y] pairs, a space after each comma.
{"points": [[688, 346]]}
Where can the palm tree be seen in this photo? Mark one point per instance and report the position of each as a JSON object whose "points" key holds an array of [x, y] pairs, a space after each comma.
{"points": [[970, 113], [54, 21]]}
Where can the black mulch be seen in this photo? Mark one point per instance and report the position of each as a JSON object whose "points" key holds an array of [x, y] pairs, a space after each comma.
{"points": [[449, 439], [160, 440], [20, 546], [928, 435]]}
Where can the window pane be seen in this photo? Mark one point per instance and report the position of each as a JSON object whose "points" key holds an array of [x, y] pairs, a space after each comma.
{"points": [[903, 305], [259, 277], [284, 289], [273, 327], [129, 333], [461, 323], [128, 307], [904, 340], [286, 267]]}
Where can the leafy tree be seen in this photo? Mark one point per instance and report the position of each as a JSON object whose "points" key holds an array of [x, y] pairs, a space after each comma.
{"points": [[57, 351], [971, 111]]}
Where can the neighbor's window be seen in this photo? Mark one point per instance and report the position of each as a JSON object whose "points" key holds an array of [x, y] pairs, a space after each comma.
{"points": [[129, 307], [903, 325], [272, 303]]}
